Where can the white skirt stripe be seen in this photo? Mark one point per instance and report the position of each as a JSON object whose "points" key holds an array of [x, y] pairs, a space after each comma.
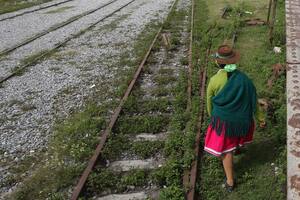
{"points": [[218, 153]]}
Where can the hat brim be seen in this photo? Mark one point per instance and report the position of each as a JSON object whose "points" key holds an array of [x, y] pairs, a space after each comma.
{"points": [[232, 60]]}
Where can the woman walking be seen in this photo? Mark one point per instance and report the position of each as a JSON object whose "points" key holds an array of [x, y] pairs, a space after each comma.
{"points": [[231, 105]]}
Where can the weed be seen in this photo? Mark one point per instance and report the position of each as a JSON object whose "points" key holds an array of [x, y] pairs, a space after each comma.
{"points": [[56, 180], [150, 61], [27, 107], [14, 102], [172, 192], [61, 55], [164, 71], [18, 71], [184, 61], [55, 69], [8, 181], [102, 180], [134, 178], [114, 24], [59, 10], [162, 92], [78, 140], [174, 143], [34, 58], [133, 105], [109, 181], [165, 80], [145, 149], [142, 124], [114, 146]]}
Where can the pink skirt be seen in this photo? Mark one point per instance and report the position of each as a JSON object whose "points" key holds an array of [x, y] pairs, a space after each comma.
{"points": [[220, 144]]}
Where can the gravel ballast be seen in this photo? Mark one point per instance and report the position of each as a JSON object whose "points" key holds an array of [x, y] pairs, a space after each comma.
{"points": [[13, 31], [50, 40]]}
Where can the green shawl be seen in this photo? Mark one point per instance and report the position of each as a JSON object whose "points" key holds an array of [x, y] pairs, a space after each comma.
{"points": [[234, 106]]}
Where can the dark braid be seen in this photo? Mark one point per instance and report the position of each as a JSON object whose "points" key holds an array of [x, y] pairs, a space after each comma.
{"points": [[222, 67]]}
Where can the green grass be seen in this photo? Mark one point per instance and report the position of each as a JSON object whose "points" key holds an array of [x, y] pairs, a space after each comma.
{"points": [[107, 180], [133, 105], [115, 147], [164, 80], [146, 149], [162, 91], [61, 55], [14, 5], [142, 124], [165, 71], [35, 58]]}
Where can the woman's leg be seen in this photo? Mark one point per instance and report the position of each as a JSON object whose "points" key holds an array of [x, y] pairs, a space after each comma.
{"points": [[227, 160]]}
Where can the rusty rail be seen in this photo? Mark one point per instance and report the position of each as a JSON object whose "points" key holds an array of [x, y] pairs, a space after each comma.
{"points": [[113, 120], [189, 88], [190, 59], [225, 10], [190, 176], [293, 98]]}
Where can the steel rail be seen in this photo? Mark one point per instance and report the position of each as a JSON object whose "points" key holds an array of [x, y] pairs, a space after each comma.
{"points": [[106, 133], [54, 28], [23, 67], [190, 176], [31, 11], [190, 59], [186, 175], [189, 88]]}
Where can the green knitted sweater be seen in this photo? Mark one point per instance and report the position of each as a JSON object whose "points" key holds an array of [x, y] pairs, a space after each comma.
{"points": [[234, 106]]}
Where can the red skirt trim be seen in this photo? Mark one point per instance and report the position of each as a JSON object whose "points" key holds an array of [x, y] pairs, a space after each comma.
{"points": [[220, 144]]}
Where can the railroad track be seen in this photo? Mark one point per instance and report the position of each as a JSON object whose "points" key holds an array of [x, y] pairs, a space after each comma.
{"points": [[53, 28], [130, 148], [191, 174], [19, 69], [34, 10]]}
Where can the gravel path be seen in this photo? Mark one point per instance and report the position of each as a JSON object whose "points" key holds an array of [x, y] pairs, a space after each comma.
{"points": [[86, 66]]}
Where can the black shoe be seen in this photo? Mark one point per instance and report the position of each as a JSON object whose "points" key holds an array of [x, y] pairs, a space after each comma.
{"points": [[228, 187]]}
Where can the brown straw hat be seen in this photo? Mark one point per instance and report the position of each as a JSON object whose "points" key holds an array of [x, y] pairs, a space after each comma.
{"points": [[226, 55]]}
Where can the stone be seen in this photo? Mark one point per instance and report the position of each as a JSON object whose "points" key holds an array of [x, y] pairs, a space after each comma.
{"points": [[131, 196]]}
